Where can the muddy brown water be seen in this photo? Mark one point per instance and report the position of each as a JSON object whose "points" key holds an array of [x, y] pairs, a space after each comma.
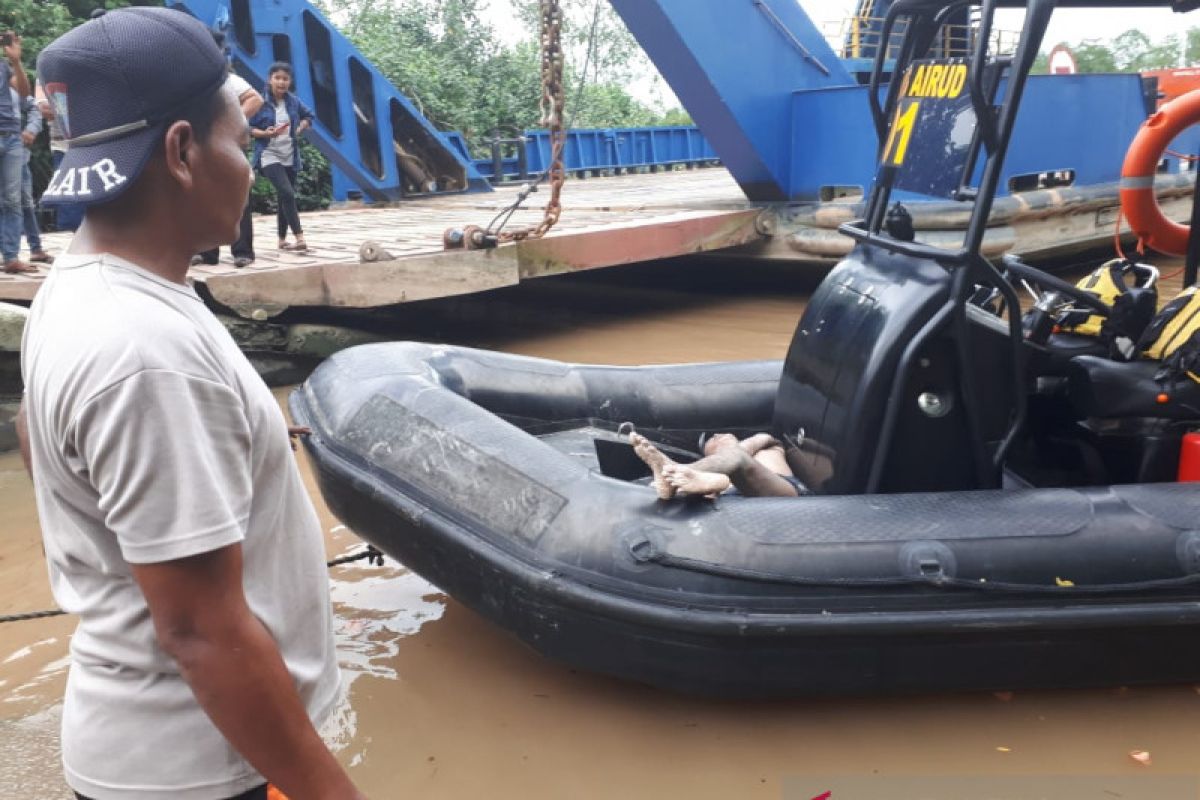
{"points": [[442, 705]]}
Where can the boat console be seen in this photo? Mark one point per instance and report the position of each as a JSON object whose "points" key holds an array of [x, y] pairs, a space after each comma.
{"points": [[914, 368]]}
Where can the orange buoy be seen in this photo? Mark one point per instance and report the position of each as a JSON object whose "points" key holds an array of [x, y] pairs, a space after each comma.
{"points": [[1138, 201]]}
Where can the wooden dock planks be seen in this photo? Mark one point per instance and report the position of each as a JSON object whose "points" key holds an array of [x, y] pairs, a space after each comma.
{"points": [[605, 222]]}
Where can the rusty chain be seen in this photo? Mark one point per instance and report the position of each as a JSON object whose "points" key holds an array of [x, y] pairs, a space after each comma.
{"points": [[551, 105], [553, 101]]}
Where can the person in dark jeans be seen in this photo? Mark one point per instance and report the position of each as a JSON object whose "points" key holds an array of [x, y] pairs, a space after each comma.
{"points": [[250, 101], [276, 129], [12, 153], [33, 233]]}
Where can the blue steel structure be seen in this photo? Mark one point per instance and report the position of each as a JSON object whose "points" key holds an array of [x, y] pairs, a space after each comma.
{"points": [[735, 66], [785, 113], [1089, 142], [596, 149], [791, 121], [379, 142]]}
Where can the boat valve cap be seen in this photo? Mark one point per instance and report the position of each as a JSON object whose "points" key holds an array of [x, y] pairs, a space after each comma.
{"points": [[927, 561], [643, 550]]}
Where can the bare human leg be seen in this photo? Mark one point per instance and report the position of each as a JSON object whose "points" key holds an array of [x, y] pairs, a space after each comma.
{"points": [[758, 442], [773, 459], [754, 466], [745, 471]]}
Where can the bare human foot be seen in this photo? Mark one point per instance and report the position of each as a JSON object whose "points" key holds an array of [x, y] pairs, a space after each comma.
{"points": [[686, 480], [657, 462]]}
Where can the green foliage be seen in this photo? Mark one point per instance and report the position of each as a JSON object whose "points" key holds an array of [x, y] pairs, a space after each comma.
{"points": [[1093, 57], [449, 62], [38, 22], [1133, 51], [602, 60], [442, 56], [1191, 46], [675, 116]]}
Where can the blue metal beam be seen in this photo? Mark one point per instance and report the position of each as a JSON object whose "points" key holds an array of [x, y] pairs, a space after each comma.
{"points": [[735, 64], [367, 129]]}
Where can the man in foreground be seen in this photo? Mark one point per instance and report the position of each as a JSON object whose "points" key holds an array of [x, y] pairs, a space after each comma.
{"points": [[175, 522]]}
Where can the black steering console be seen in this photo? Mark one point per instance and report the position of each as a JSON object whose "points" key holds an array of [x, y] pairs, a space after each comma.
{"points": [[1104, 315], [1054, 297]]}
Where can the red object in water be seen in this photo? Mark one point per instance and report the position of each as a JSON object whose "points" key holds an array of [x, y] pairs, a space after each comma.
{"points": [[1189, 457]]}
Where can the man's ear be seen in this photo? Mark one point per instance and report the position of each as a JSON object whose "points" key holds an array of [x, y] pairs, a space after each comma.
{"points": [[180, 148]]}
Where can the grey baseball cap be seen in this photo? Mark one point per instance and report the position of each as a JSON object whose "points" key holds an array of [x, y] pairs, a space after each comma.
{"points": [[114, 82]]}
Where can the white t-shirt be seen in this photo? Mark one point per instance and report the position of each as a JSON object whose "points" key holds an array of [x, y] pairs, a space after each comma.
{"points": [[153, 439], [280, 149], [237, 84]]}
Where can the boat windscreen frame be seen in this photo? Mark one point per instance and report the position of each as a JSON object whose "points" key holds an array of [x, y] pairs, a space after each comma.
{"points": [[994, 122], [994, 129], [993, 134]]}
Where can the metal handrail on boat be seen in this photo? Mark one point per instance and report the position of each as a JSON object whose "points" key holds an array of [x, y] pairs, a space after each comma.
{"points": [[860, 37]]}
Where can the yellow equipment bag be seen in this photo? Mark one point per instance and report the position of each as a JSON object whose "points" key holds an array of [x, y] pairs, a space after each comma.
{"points": [[1174, 336], [1107, 282], [1173, 326]]}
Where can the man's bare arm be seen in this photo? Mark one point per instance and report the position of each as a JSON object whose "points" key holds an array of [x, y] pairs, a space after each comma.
{"points": [[19, 80], [22, 423], [251, 101], [234, 668]]}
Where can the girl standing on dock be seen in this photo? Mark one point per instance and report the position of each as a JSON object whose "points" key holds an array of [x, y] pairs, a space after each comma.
{"points": [[276, 128]]}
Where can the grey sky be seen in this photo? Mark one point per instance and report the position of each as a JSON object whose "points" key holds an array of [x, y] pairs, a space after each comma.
{"points": [[1070, 25]]}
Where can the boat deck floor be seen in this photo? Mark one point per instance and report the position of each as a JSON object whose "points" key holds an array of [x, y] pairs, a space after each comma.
{"points": [[605, 222]]}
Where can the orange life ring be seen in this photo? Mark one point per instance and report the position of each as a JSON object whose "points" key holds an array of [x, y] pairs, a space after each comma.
{"points": [[1138, 201]]}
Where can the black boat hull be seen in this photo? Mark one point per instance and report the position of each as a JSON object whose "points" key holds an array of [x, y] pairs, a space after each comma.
{"points": [[467, 467]]}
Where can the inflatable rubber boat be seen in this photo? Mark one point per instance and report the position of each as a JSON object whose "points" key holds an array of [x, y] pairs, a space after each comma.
{"points": [[992, 501], [505, 481]]}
